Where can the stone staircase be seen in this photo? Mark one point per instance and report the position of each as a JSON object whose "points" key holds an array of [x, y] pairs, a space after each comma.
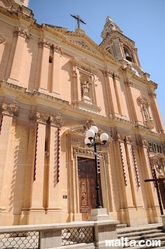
{"points": [[146, 233]]}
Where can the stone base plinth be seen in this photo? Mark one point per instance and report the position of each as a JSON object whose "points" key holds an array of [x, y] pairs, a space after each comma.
{"points": [[98, 214]]}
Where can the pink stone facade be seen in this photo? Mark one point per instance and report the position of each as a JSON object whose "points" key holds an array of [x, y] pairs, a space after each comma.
{"points": [[54, 85]]}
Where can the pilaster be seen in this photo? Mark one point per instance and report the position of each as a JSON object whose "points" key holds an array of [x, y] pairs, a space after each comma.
{"points": [[8, 112], [155, 111], [125, 171], [112, 98], [118, 93], [132, 108], [54, 163], [44, 70], [149, 194], [38, 176], [20, 37], [56, 70]]}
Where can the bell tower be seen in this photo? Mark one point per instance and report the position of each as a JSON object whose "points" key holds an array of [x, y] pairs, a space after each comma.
{"points": [[119, 46]]}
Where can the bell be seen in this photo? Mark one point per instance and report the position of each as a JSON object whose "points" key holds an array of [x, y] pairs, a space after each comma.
{"points": [[128, 58]]}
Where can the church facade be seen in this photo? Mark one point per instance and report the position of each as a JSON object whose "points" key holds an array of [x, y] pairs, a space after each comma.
{"points": [[54, 85]]}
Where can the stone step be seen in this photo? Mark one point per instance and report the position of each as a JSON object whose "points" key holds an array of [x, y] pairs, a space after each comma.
{"points": [[121, 225], [144, 235], [160, 247], [147, 232], [150, 232], [137, 229], [144, 247]]}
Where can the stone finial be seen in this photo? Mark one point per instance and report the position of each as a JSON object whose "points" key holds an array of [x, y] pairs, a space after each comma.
{"points": [[22, 2], [109, 27]]}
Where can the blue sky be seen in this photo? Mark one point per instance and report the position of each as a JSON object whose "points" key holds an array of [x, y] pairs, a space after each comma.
{"points": [[143, 21]]}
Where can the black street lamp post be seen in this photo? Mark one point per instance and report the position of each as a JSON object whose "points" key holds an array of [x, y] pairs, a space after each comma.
{"points": [[90, 141]]}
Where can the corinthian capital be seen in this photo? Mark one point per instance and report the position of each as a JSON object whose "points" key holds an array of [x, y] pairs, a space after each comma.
{"points": [[21, 32], [56, 121], [10, 110], [41, 118], [43, 43], [128, 83]]}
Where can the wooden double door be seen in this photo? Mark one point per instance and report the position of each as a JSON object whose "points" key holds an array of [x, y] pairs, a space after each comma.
{"points": [[87, 185]]}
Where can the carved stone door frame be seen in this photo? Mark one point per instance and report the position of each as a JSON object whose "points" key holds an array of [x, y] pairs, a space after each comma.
{"points": [[104, 178]]}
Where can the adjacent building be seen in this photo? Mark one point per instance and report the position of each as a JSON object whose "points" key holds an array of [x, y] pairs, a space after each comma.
{"points": [[55, 84]]}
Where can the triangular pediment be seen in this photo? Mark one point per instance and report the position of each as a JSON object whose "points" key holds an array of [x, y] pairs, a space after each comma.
{"points": [[83, 42], [79, 40]]}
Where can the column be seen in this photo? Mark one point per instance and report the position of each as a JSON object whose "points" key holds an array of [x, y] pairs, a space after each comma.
{"points": [[39, 157], [16, 54], [8, 112], [44, 70]]}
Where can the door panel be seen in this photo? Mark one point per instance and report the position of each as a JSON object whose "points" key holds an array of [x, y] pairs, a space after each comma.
{"points": [[87, 181]]}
